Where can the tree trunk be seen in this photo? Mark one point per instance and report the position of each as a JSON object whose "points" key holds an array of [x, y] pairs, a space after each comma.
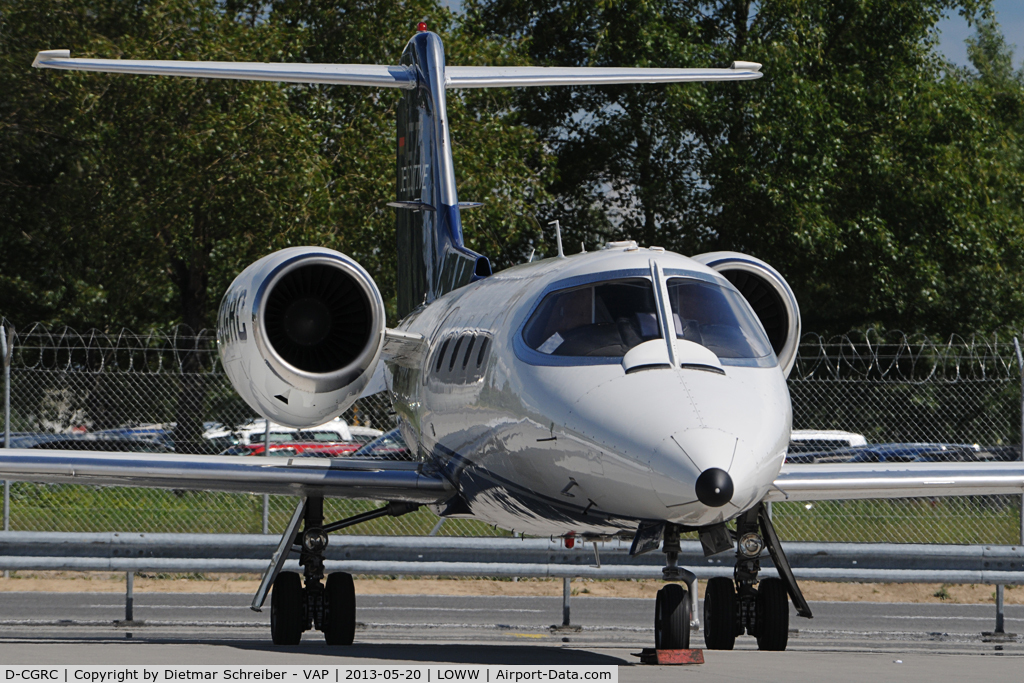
{"points": [[191, 276]]}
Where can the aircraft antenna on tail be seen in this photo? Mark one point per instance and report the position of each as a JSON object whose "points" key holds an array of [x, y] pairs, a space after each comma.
{"points": [[558, 237]]}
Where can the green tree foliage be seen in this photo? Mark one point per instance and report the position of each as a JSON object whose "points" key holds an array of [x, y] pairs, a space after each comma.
{"points": [[882, 181], [133, 201], [154, 188]]}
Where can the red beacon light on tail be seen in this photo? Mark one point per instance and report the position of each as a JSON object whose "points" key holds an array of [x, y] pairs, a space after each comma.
{"points": [[422, 26]]}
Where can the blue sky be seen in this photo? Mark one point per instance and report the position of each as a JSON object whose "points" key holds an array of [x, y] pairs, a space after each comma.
{"points": [[954, 30]]}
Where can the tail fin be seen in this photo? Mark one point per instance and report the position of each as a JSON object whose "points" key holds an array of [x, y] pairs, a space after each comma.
{"points": [[432, 258]]}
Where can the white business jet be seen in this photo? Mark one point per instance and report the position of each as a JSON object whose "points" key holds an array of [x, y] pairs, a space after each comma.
{"points": [[629, 391]]}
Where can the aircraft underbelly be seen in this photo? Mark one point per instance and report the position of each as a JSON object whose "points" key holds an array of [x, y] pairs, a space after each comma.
{"points": [[511, 474]]}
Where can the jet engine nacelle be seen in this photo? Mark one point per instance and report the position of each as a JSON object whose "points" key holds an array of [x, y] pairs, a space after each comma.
{"points": [[768, 294], [300, 332]]}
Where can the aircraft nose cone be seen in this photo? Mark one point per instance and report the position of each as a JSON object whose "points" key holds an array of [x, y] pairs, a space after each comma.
{"points": [[714, 487]]}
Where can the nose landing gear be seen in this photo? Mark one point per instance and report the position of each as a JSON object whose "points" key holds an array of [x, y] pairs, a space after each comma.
{"points": [[673, 604]]}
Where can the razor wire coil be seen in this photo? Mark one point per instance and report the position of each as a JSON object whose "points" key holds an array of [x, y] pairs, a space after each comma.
{"points": [[889, 387]]}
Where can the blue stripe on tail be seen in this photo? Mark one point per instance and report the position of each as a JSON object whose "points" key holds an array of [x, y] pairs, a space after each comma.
{"points": [[432, 258]]}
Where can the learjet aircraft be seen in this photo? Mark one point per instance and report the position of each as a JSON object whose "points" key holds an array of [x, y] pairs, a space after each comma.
{"points": [[628, 392]]}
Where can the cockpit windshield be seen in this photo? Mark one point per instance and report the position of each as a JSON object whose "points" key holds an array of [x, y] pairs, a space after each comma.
{"points": [[602, 319], [717, 318], [607, 319]]}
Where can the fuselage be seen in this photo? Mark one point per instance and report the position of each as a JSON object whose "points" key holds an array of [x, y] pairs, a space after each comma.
{"points": [[537, 401]]}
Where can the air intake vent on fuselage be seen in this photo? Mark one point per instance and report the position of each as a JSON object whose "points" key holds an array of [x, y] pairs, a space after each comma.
{"points": [[461, 359], [317, 318]]}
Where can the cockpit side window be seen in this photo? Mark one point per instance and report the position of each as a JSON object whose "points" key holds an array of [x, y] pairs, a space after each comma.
{"points": [[604, 319], [716, 317]]}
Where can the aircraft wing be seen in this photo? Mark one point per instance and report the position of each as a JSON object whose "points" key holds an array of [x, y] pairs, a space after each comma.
{"points": [[842, 481], [393, 76], [332, 477]]}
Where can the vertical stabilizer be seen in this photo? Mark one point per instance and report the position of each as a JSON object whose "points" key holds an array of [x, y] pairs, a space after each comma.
{"points": [[432, 259]]}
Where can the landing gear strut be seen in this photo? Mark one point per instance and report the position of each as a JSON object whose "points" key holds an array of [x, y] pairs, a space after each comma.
{"points": [[734, 606], [673, 605], [329, 608]]}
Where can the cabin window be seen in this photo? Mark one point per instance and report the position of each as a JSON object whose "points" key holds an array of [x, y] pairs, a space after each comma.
{"points": [[604, 319], [716, 317]]}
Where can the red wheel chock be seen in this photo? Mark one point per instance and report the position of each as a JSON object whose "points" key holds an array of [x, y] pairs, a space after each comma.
{"points": [[652, 656]]}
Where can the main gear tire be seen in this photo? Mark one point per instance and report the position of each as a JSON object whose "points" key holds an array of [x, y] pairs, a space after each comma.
{"points": [[340, 595], [720, 614], [772, 607], [287, 609]]}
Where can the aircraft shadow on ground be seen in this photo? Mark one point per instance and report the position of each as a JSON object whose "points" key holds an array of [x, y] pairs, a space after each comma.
{"points": [[513, 654]]}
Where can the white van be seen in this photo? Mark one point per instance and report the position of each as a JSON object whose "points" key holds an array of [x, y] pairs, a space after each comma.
{"points": [[817, 440], [335, 431]]}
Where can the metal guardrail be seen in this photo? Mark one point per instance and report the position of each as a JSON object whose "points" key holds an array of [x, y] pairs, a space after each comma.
{"points": [[504, 557], [500, 557]]}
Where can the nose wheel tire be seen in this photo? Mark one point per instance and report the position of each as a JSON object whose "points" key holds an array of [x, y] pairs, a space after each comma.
{"points": [[672, 618], [772, 615], [340, 594], [720, 614], [287, 609]]}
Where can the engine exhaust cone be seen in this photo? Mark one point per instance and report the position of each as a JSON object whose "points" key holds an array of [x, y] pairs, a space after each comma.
{"points": [[714, 487]]}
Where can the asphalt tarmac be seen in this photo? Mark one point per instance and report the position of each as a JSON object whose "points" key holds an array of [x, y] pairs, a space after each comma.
{"points": [[845, 641]]}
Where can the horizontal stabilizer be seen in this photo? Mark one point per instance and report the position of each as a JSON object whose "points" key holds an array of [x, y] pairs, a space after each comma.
{"points": [[395, 76], [513, 76], [329, 74]]}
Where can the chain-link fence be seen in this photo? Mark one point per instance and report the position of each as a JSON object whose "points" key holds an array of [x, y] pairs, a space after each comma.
{"points": [[158, 392], [910, 396]]}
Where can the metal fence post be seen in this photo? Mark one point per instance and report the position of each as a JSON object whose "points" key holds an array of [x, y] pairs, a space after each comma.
{"points": [[129, 597], [1020, 364], [266, 513], [566, 593], [7, 344], [999, 608], [266, 498]]}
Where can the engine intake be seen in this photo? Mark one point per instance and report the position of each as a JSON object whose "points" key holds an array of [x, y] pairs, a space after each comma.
{"points": [[300, 332], [768, 294], [317, 318]]}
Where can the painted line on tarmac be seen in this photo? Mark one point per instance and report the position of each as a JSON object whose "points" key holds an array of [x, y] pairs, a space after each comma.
{"points": [[120, 605], [378, 608], [942, 618]]}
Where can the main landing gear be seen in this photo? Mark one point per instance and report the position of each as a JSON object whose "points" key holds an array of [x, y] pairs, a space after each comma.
{"points": [[732, 606], [329, 608]]}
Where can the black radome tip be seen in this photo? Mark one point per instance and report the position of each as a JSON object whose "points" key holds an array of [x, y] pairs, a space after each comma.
{"points": [[714, 487]]}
